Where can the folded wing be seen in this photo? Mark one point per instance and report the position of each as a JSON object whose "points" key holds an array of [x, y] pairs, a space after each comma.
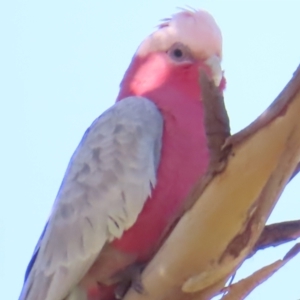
{"points": [[107, 182]]}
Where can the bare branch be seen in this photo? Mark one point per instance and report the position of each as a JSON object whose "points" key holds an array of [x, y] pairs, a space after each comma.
{"points": [[243, 288], [229, 210], [277, 234]]}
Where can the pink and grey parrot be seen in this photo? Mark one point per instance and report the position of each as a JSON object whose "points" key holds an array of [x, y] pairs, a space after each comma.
{"points": [[133, 168]]}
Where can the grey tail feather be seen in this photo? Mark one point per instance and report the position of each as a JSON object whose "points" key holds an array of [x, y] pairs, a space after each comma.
{"points": [[35, 254]]}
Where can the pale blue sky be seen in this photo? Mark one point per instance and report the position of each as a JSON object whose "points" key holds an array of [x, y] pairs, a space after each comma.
{"points": [[60, 66]]}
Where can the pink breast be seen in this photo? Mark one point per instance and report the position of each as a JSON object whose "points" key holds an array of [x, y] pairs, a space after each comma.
{"points": [[184, 158]]}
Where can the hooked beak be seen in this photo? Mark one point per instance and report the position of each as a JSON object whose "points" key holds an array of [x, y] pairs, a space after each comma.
{"points": [[214, 63]]}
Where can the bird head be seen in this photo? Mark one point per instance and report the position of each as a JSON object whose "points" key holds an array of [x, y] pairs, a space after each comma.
{"points": [[173, 55]]}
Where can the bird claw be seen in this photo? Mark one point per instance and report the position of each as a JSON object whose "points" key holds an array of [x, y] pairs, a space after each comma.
{"points": [[138, 286], [130, 277]]}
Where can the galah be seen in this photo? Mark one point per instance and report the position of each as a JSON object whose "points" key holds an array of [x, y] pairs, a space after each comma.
{"points": [[133, 168]]}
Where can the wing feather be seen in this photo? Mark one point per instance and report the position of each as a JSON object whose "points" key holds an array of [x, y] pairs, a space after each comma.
{"points": [[107, 182]]}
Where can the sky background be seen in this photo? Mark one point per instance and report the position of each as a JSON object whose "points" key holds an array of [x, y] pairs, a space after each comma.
{"points": [[60, 67]]}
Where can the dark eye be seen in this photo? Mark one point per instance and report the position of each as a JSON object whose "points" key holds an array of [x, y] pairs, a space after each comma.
{"points": [[177, 53], [180, 53]]}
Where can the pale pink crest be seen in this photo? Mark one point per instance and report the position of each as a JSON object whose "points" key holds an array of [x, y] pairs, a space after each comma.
{"points": [[196, 29]]}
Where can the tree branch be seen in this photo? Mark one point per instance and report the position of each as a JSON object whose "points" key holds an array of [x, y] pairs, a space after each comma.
{"points": [[229, 208], [244, 287], [277, 234]]}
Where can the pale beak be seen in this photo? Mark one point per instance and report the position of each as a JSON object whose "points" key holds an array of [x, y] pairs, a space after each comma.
{"points": [[214, 62]]}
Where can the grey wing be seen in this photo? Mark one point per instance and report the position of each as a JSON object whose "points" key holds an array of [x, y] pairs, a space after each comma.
{"points": [[107, 182]]}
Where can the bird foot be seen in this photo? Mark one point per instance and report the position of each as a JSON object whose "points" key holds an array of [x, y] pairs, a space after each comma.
{"points": [[130, 277]]}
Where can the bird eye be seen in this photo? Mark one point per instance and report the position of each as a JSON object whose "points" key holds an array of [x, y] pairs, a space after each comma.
{"points": [[180, 53], [177, 53]]}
